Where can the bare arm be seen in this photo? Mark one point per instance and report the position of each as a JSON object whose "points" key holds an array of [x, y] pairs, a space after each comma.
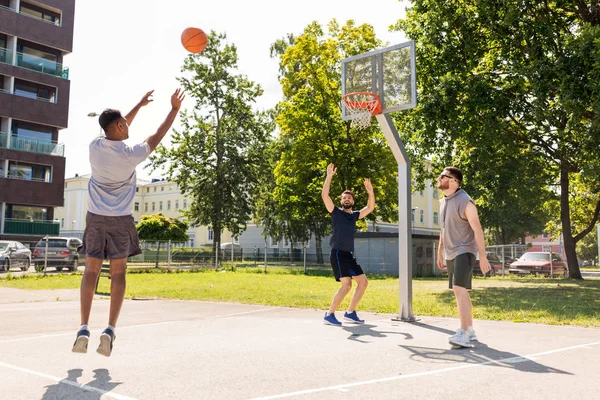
{"points": [[143, 102], [154, 140], [473, 218], [440, 254], [325, 192], [370, 202]]}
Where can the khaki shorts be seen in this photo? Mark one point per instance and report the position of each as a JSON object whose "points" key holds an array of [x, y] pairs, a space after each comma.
{"points": [[460, 270], [109, 238]]}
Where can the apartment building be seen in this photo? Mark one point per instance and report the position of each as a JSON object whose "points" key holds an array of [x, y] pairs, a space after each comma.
{"points": [[35, 35]]}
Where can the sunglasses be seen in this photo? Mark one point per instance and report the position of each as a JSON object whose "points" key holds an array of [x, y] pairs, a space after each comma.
{"points": [[442, 176]]}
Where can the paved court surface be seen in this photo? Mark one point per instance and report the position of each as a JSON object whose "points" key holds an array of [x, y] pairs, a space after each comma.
{"points": [[169, 349]]}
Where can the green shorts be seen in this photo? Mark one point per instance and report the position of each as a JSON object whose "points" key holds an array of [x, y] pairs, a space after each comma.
{"points": [[460, 270]]}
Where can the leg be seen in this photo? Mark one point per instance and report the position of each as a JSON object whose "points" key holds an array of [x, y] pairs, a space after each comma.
{"points": [[341, 293], [117, 288], [465, 308], [362, 283], [88, 286]]}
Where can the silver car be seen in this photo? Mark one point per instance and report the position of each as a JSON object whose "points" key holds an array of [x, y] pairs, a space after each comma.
{"points": [[14, 254], [62, 253]]}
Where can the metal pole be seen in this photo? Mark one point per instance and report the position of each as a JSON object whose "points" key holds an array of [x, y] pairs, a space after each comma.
{"points": [[46, 256], [550, 261], [304, 258], [232, 249], [404, 216], [598, 258], [169, 254], [265, 256]]}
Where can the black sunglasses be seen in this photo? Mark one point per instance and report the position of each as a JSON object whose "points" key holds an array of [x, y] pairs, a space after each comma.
{"points": [[446, 176]]}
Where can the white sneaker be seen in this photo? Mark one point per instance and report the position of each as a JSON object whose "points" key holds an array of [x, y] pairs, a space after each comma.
{"points": [[461, 339], [472, 335]]}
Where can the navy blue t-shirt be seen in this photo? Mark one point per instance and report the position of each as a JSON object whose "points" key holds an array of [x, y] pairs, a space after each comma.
{"points": [[344, 225]]}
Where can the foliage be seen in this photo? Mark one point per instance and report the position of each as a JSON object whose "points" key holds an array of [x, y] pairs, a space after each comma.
{"points": [[158, 228], [508, 92], [216, 157]]}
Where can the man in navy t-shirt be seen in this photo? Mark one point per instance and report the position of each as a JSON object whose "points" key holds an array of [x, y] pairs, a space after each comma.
{"points": [[344, 265]]}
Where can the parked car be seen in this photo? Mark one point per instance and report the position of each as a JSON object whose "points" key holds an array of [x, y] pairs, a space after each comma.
{"points": [[495, 263], [14, 254], [62, 253], [539, 263]]}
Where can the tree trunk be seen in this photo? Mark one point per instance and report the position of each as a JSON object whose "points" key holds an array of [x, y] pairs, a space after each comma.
{"points": [[157, 253], [565, 218], [319, 248], [217, 245]]}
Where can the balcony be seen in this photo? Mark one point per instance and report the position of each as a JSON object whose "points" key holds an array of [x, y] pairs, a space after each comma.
{"points": [[6, 56], [42, 65], [27, 227], [32, 145], [32, 14]]}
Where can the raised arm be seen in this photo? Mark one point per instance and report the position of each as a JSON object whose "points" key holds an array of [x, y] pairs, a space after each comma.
{"points": [[473, 218], [143, 102], [154, 140], [325, 192], [370, 202]]}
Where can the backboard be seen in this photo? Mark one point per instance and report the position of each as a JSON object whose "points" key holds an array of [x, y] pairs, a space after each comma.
{"points": [[389, 72]]}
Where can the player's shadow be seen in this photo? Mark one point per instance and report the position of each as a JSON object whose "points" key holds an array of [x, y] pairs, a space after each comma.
{"points": [[70, 388], [481, 354], [366, 330], [433, 328]]}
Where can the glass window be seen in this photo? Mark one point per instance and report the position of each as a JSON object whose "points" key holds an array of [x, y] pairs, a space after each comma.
{"points": [[422, 216], [153, 206], [145, 207], [147, 190], [177, 204], [422, 193], [31, 131], [137, 189], [160, 205], [436, 218], [29, 172], [34, 91], [168, 204], [62, 222], [435, 194], [162, 188], [211, 235], [136, 207], [184, 204], [155, 188], [26, 212], [412, 215]]}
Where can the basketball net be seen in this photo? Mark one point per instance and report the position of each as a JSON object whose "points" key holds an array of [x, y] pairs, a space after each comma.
{"points": [[361, 106]]}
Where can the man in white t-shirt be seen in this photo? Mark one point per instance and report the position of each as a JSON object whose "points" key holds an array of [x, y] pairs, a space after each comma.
{"points": [[110, 232]]}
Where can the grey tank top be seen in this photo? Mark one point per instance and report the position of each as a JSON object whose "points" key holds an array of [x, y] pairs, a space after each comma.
{"points": [[457, 234]]}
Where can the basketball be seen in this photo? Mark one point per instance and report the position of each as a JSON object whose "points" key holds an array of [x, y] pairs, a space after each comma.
{"points": [[194, 40]]}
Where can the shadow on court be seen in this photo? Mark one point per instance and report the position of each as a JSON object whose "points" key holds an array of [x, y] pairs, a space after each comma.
{"points": [[480, 354], [367, 330], [70, 387]]}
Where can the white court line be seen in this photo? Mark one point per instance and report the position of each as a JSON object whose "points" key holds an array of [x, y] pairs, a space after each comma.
{"points": [[70, 333], [67, 382], [511, 360]]}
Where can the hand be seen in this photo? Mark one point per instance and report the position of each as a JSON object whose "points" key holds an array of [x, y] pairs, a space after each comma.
{"points": [[330, 170], [484, 264], [368, 186], [146, 99], [440, 263], [177, 98]]}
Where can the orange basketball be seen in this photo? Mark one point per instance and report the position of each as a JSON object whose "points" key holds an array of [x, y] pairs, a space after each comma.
{"points": [[194, 40]]}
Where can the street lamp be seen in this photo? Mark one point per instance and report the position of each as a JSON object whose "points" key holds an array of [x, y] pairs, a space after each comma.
{"points": [[93, 115]]}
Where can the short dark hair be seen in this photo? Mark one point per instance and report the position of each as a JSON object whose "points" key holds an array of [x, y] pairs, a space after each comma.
{"points": [[455, 172], [350, 192], [107, 117]]}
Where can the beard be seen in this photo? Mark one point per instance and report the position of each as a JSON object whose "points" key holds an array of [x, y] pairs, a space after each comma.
{"points": [[346, 206]]}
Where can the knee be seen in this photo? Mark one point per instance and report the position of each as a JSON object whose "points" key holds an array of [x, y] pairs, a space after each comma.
{"points": [[364, 284], [346, 287]]}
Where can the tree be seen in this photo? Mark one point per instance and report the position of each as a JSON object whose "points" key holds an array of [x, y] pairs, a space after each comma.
{"points": [[216, 156], [158, 228], [312, 133], [520, 76]]}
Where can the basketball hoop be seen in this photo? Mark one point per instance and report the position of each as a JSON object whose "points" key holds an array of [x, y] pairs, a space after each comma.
{"points": [[361, 106]]}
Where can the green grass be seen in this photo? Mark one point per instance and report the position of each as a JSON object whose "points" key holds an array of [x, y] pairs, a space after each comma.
{"points": [[540, 300]]}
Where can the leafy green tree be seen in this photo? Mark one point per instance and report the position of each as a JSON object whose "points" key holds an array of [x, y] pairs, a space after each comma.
{"points": [[158, 228], [312, 133], [216, 157], [512, 76]]}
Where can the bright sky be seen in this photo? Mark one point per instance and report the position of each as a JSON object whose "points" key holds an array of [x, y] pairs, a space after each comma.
{"points": [[122, 49]]}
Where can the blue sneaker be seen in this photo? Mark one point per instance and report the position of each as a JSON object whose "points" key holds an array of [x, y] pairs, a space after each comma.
{"points": [[330, 319], [352, 317]]}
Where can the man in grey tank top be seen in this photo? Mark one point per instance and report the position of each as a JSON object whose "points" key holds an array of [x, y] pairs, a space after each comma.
{"points": [[461, 239]]}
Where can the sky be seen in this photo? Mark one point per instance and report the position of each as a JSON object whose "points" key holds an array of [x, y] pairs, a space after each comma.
{"points": [[123, 49]]}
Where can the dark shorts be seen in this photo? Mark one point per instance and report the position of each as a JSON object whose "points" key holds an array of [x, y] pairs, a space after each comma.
{"points": [[110, 238], [344, 264], [460, 270]]}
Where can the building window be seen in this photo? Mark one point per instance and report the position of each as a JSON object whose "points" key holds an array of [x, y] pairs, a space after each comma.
{"points": [[211, 235], [40, 13], [274, 243], [31, 131], [162, 188], [168, 204], [29, 172], [436, 218], [137, 189], [34, 91], [160, 205], [147, 190], [62, 222], [145, 207], [435, 194], [236, 240], [184, 204], [153, 206], [155, 188], [412, 215], [136, 207], [27, 213], [421, 193], [177, 204], [422, 216]]}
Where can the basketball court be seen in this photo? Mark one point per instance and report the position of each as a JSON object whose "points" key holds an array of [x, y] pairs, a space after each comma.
{"points": [[167, 349]]}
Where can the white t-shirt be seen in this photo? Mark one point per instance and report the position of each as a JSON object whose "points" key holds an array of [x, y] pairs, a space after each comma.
{"points": [[113, 182]]}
